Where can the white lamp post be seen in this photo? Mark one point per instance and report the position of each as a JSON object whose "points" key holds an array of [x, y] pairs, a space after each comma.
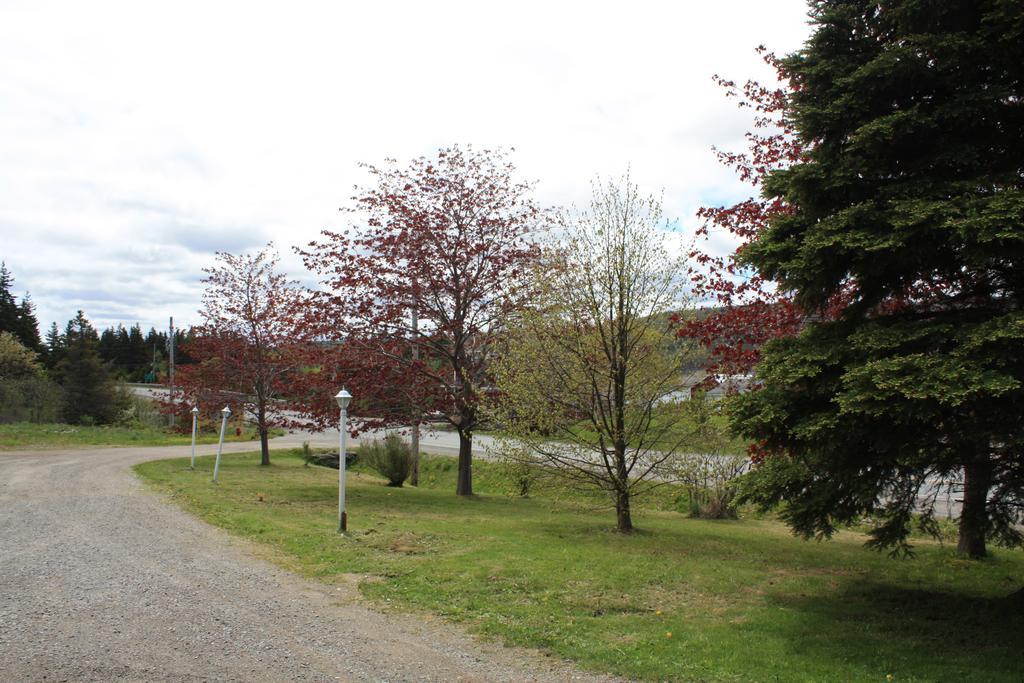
{"points": [[343, 398], [226, 413], [195, 417]]}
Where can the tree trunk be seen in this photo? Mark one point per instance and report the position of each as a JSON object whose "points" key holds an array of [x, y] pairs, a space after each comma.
{"points": [[414, 446], [465, 484], [414, 474], [974, 515], [623, 518], [261, 425], [264, 447]]}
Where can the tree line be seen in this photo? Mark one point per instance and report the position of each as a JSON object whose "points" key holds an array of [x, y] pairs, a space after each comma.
{"points": [[71, 375]]}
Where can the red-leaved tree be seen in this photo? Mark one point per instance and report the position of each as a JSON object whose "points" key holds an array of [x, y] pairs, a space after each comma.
{"points": [[744, 310], [419, 288], [250, 353]]}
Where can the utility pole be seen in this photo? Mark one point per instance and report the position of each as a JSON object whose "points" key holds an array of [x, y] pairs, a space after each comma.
{"points": [[170, 366]]}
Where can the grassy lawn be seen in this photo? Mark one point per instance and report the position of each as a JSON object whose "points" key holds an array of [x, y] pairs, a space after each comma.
{"points": [[29, 435], [682, 599]]}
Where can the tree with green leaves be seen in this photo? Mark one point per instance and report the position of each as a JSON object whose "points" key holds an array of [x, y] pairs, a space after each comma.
{"points": [[17, 361], [26, 395], [588, 374], [902, 241]]}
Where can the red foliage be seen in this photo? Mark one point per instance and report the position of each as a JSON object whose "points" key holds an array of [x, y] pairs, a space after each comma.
{"points": [[745, 310], [446, 238], [249, 351]]}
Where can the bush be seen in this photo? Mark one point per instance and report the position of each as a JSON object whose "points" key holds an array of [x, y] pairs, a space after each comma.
{"points": [[30, 399], [710, 474], [324, 457], [391, 458], [140, 412]]}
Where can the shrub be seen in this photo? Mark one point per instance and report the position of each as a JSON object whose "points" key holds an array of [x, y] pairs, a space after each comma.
{"points": [[710, 474], [391, 458], [324, 457], [30, 399], [140, 412], [16, 360]]}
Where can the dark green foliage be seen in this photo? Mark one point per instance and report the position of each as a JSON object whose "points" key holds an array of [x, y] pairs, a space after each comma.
{"points": [[391, 458], [132, 357], [18, 319], [907, 232], [53, 347], [90, 395]]}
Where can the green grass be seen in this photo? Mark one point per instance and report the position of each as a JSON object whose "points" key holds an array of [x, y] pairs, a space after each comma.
{"points": [[30, 435], [743, 601]]}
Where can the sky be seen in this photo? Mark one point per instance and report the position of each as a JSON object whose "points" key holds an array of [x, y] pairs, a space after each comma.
{"points": [[138, 138]]}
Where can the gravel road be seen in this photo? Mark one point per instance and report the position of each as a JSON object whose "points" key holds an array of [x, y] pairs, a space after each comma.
{"points": [[102, 580]]}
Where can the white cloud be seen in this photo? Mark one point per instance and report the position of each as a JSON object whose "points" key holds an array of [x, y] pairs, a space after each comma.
{"points": [[136, 139]]}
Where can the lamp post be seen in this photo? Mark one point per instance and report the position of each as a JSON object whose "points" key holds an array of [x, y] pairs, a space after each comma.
{"points": [[343, 398], [195, 417], [226, 413]]}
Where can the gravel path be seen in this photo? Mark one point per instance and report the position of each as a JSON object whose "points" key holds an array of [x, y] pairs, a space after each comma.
{"points": [[102, 580]]}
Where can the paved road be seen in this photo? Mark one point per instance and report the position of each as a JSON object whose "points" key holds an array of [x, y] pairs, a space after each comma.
{"points": [[437, 441], [103, 580]]}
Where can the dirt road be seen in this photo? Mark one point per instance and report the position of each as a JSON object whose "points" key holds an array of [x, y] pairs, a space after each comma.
{"points": [[102, 580]]}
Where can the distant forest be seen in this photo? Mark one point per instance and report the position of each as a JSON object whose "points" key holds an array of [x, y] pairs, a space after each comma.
{"points": [[135, 357]]}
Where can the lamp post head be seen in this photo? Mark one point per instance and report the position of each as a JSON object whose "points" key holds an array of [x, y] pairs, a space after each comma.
{"points": [[226, 412], [343, 398], [195, 410]]}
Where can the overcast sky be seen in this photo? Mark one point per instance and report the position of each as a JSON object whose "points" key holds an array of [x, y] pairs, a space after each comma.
{"points": [[138, 138]]}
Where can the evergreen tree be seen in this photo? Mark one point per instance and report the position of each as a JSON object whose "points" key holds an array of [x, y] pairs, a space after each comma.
{"points": [[89, 391], [18, 319], [28, 325], [140, 358], [156, 347], [107, 346], [9, 313], [53, 349], [903, 241]]}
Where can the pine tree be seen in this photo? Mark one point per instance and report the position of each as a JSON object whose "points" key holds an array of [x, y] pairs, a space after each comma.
{"points": [[18, 319], [53, 349], [905, 224], [140, 358], [156, 347], [89, 391], [28, 325], [8, 307]]}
